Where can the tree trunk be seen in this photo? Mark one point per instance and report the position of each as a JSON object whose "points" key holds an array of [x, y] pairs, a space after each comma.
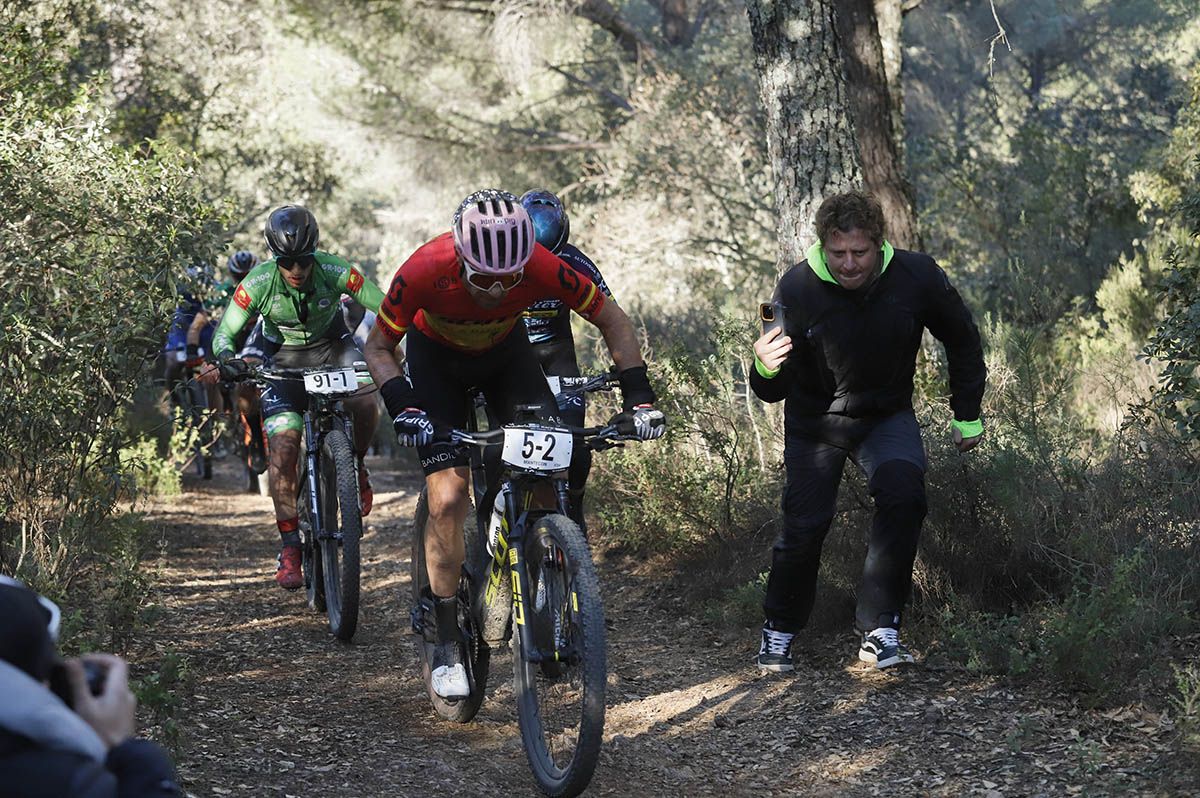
{"points": [[876, 114], [888, 19], [810, 135]]}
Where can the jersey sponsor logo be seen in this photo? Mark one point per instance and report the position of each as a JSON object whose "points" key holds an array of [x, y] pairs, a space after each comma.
{"points": [[469, 334], [591, 304], [568, 278], [323, 302], [355, 281], [438, 457], [396, 292], [242, 297], [391, 324]]}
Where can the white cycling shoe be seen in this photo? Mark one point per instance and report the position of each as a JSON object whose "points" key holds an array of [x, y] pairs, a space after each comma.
{"points": [[449, 677], [450, 682]]}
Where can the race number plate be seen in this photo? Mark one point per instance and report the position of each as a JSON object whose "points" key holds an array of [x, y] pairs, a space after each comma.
{"points": [[537, 449], [335, 381]]}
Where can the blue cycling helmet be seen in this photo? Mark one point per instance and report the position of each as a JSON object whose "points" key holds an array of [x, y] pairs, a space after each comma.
{"points": [[240, 263], [550, 222]]}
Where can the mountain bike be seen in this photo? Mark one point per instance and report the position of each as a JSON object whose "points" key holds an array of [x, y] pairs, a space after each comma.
{"points": [[530, 580], [328, 497], [190, 413]]}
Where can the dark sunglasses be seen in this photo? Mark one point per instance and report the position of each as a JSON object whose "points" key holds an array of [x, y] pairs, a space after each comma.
{"points": [[288, 263]]}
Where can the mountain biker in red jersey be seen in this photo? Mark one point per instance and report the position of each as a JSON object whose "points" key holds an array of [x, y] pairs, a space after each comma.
{"points": [[458, 302]]}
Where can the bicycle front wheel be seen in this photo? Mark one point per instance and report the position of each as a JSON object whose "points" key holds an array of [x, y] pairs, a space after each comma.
{"points": [[560, 683], [342, 521]]}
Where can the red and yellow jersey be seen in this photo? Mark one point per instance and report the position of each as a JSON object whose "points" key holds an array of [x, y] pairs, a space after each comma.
{"points": [[428, 292]]}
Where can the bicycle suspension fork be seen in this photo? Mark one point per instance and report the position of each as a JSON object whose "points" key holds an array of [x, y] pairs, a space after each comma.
{"points": [[312, 455]]}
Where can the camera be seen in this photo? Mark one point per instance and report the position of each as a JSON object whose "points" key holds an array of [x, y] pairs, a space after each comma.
{"points": [[93, 672], [772, 316]]}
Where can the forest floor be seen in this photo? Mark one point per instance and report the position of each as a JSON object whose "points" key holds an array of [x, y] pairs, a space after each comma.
{"points": [[273, 705]]}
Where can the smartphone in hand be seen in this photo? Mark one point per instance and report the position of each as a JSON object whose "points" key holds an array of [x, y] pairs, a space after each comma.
{"points": [[771, 315]]}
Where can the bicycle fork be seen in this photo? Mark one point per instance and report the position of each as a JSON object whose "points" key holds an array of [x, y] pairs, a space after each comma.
{"points": [[509, 560], [312, 460]]}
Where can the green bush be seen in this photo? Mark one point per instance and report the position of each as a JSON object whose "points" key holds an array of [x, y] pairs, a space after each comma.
{"points": [[715, 475], [92, 234]]}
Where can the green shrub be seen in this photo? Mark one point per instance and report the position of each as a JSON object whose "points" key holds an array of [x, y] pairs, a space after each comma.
{"points": [[740, 606], [715, 475], [1187, 705], [163, 693], [92, 235]]}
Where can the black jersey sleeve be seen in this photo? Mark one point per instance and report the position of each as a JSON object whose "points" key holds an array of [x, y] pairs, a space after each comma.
{"points": [[949, 320], [777, 388]]}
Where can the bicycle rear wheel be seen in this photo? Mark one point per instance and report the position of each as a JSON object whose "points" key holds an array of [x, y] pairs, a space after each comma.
{"points": [[342, 521], [560, 701], [479, 655]]}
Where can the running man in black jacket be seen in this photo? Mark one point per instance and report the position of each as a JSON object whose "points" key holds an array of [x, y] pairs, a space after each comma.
{"points": [[854, 314]]}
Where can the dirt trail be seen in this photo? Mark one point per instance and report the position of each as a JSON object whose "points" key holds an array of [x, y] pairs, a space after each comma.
{"points": [[279, 707]]}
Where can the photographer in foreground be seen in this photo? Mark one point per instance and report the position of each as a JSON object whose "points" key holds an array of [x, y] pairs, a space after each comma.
{"points": [[66, 728]]}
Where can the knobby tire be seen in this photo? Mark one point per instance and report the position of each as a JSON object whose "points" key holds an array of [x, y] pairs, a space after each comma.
{"points": [[339, 501], [562, 752]]}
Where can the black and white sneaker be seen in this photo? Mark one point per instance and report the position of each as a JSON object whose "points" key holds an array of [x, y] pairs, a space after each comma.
{"points": [[882, 648], [775, 651]]}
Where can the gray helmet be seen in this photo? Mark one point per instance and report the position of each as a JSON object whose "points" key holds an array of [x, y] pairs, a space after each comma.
{"points": [[292, 232]]}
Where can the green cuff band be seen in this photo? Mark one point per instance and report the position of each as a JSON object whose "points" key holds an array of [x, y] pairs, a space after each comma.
{"points": [[968, 429], [762, 370]]}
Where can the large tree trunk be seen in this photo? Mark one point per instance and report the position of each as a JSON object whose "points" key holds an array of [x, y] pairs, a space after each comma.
{"points": [[810, 136], [874, 107]]}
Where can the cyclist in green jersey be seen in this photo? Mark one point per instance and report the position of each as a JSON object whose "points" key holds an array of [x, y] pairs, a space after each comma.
{"points": [[298, 294]]}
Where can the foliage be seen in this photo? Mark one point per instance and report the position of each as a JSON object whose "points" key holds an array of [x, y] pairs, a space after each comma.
{"points": [[92, 233], [1176, 344], [713, 475], [163, 693], [1187, 704], [1031, 159], [740, 606]]}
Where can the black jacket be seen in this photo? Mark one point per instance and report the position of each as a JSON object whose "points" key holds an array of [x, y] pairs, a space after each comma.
{"points": [[47, 751], [854, 352]]}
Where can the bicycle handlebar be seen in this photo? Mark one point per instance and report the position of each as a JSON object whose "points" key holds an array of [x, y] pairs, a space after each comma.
{"points": [[255, 372], [598, 437]]}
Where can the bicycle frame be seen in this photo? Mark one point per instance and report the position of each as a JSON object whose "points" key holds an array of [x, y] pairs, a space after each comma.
{"points": [[508, 555]]}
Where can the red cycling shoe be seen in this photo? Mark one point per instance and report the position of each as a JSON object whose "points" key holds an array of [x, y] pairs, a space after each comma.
{"points": [[289, 576]]}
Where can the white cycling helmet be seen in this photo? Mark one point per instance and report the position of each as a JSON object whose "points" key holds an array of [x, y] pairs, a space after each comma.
{"points": [[493, 233]]}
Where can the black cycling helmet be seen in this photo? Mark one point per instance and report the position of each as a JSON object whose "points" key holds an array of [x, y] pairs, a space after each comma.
{"points": [[292, 232], [550, 223], [241, 262]]}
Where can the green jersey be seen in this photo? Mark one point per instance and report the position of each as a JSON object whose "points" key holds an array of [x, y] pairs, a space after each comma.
{"points": [[294, 317]]}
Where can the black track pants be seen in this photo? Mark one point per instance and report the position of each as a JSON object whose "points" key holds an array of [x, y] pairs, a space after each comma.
{"points": [[891, 455]]}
